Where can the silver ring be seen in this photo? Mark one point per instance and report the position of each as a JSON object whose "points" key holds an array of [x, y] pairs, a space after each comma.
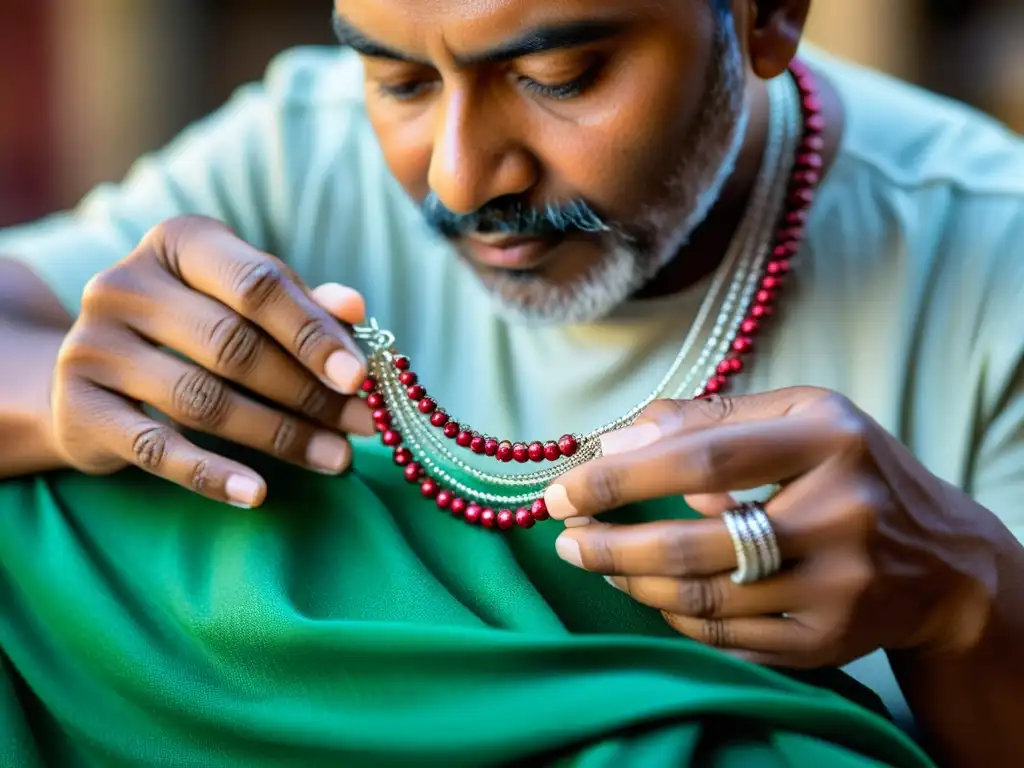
{"points": [[757, 548]]}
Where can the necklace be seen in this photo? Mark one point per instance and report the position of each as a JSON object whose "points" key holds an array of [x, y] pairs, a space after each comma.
{"points": [[744, 288]]}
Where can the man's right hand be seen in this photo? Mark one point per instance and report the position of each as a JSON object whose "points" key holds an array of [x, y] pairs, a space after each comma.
{"points": [[221, 338]]}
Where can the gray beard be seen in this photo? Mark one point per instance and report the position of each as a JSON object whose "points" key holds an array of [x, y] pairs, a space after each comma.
{"points": [[690, 192]]}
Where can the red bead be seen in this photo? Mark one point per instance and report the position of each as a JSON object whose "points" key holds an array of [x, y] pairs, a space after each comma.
{"points": [[472, 513], [806, 178], [402, 456], [444, 498], [408, 378], [375, 400], [743, 344], [416, 392], [451, 429], [520, 453], [506, 519], [439, 418], [464, 438], [811, 104], [796, 218], [368, 384], [490, 447], [476, 445], [778, 267], [536, 451], [801, 198], [524, 519], [413, 472], [539, 510], [814, 124], [381, 416], [487, 517], [763, 296], [567, 445], [504, 451], [402, 363], [771, 282], [735, 365], [723, 368], [748, 327], [810, 161], [761, 310], [785, 234], [551, 451], [429, 489], [715, 384], [785, 250], [427, 405], [381, 426], [458, 506], [392, 438], [812, 144]]}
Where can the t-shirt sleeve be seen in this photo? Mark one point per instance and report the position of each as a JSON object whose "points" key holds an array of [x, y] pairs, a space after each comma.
{"points": [[997, 479], [218, 167]]}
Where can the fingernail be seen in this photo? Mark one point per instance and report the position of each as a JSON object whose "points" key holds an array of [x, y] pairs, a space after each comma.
{"points": [[345, 372], [327, 453], [242, 492], [630, 439], [341, 301], [558, 504], [357, 418], [611, 582], [569, 551], [577, 522]]}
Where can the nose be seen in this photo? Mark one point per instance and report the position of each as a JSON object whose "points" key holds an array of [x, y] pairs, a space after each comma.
{"points": [[475, 157]]}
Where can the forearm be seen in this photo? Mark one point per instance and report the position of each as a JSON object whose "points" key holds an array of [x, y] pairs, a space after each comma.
{"points": [[32, 327], [970, 703]]}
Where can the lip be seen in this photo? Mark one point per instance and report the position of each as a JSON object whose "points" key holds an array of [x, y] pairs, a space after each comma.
{"points": [[510, 252]]}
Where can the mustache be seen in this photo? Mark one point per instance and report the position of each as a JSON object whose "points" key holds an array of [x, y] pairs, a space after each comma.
{"points": [[515, 216]]}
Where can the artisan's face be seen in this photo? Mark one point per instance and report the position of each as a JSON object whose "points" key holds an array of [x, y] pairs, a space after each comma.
{"points": [[568, 147]]}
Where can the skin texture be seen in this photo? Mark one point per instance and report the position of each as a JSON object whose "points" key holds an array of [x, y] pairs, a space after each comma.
{"points": [[880, 553], [669, 86]]}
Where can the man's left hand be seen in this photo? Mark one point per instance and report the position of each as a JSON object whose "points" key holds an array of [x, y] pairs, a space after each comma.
{"points": [[877, 552]]}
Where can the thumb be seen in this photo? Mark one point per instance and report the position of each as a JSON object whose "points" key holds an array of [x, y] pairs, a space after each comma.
{"points": [[346, 304]]}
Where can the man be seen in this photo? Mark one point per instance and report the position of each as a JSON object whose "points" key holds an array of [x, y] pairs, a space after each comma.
{"points": [[620, 190]]}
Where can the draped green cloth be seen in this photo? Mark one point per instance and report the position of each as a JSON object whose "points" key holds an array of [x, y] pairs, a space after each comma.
{"points": [[350, 623]]}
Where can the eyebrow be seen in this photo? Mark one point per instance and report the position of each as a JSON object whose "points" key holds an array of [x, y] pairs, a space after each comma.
{"points": [[538, 40]]}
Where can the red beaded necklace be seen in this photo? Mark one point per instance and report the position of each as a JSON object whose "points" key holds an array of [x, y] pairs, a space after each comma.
{"points": [[802, 186]]}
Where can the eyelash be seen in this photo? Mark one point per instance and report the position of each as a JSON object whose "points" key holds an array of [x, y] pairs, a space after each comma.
{"points": [[559, 92]]}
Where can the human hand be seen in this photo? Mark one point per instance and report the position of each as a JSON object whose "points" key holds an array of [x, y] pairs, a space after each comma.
{"points": [[221, 338], [876, 551]]}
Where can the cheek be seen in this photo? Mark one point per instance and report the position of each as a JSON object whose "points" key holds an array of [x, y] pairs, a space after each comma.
{"points": [[406, 142]]}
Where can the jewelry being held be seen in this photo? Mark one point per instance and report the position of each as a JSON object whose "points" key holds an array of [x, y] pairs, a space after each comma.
{"points": [[743, 291], [757, 548]]}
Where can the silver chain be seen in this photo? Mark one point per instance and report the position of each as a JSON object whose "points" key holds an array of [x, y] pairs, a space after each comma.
{"points": [[747, 254]]}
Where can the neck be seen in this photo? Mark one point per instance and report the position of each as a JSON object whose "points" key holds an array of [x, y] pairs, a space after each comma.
{"points": [[708, 244]]}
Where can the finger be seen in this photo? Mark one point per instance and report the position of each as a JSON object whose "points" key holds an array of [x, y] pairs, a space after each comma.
{"points": [[158, 449], [731, 457], [716, 597], [709, 504], [346, 304], [197, 398], [760, 633], [666, 548], [227, 344], [674, 416], [210, 259]]}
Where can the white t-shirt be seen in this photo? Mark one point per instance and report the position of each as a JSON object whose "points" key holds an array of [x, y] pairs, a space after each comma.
{"points": [[908, 296]]}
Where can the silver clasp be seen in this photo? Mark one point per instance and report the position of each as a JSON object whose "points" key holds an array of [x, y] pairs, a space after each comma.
{"points": [[377, 338]]}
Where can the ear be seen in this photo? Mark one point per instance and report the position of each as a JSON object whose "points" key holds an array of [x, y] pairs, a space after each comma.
{"points": [[775, 28]]}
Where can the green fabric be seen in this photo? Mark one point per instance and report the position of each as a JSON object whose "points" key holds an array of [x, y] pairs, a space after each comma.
{"points": [[350, 623]]}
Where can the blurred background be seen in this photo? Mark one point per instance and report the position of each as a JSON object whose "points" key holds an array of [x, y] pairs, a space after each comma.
{"points": [[88, 85]]}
